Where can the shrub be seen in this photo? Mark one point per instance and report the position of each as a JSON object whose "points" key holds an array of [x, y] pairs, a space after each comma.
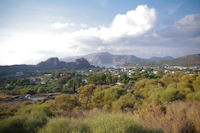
{"points": [[171, 78], [14, 125], [116, 123], [107, 96], [64, 104], [124, 103], [106, 108], [196, 84], [197, 96], [175, 117], [28, 108], [86, 93], [23, 123], [65, 125], [62, 125], [6, 112], [171, 94]]}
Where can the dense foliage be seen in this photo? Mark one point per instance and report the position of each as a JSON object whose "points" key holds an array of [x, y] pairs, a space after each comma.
{"points": [[143, 102]]}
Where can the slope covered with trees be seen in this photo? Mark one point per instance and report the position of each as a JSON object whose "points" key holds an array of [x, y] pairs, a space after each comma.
{"points": [[168, 103]]}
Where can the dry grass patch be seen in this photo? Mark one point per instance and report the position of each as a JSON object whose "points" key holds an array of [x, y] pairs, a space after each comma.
{"points": [[176, 117]]}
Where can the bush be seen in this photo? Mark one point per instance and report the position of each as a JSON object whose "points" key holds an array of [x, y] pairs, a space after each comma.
{"points": [[106, 108], [175, 117], [57, 126], [197, 96], [6, 112], [102, 123], [24, 123], [196, 84], [14, 125], [170, 78], [171, 94], [64, 104], [28, 108], [86, 93], [107, 96], [124, 103], [65, 125], [116, 123]]}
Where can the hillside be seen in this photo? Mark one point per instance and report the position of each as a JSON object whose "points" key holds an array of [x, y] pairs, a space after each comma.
{"points": [[188, 60], [160, 58]]}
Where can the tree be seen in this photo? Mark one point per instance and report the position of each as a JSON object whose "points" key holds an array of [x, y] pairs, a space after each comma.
{"points": [[124, 103], [107, 96], [171, 77], [63, 80], [64, 104], [196, 83], [86, 93], [74, 83], [171, 94], [124, 78]]}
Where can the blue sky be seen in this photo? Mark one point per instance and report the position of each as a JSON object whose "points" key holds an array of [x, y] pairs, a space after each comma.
{"points": [[33, 30]]}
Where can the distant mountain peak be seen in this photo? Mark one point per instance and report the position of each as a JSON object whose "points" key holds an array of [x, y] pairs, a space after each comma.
{"points": [[53, 59], [55, 63], [81, 61], [160, 58]]}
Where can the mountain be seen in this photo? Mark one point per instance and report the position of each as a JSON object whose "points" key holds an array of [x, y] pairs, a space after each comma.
{"points": [[188, 60], [55, 63], [81, 63], [50, 64], [107, 59], [160, 58]]}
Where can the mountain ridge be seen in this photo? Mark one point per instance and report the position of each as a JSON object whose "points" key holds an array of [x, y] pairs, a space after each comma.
{"points": [[108, 59], [50, 64], [187, 60]]}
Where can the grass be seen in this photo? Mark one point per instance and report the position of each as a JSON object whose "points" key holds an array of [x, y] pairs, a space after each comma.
{"points": [[24, 123], [175, 117], [102, 123]]}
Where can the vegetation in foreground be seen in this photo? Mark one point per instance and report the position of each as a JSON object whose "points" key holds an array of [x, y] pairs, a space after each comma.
{"points": [[167, 104]]}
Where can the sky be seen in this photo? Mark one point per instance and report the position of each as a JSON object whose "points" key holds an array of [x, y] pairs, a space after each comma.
{"points": [[34, 30]]}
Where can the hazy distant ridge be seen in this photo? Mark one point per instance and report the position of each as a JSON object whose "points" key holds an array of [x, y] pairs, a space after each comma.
{"points": [[188, 60], [107, 59], [50, 64]]}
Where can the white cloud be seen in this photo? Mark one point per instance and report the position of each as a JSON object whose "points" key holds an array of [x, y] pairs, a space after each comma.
{"points": [[58, 25], [188, 26], [134, 23], [191, 21]]}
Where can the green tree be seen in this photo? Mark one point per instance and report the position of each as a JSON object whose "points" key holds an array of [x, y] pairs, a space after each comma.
{"points": [[107, 96], [124, 103], [64, 104], [86, 93]]}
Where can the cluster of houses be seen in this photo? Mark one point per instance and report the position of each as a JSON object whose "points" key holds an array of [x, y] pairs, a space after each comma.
{"points": [[44, 78], [166, 69]]}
